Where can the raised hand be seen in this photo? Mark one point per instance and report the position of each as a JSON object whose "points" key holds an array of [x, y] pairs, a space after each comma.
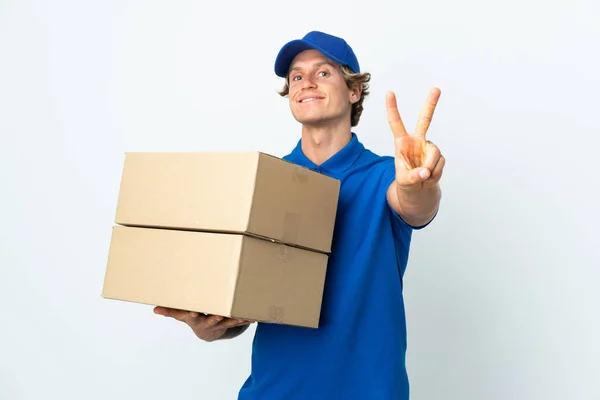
{"points": [[419, 162]]}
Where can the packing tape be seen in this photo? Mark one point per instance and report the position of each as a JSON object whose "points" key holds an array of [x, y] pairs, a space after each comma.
{"points": [[291, 225], [275, 315], [284, 252]]}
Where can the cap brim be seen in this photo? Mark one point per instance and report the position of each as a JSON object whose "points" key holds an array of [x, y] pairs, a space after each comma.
{"points": [[289, 51]]}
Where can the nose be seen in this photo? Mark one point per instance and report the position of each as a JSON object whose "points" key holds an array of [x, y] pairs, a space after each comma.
{"points": [[308, 83]]}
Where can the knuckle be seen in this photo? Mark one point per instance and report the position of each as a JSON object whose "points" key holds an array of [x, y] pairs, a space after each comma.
{"points": [[433, 146], [207, 325]]}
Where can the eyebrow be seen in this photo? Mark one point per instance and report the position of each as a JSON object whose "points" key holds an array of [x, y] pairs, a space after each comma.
{"points": [[319, 64]]}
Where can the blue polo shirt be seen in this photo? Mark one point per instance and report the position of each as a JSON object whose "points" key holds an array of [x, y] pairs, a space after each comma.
{"points": [[358, 351]]}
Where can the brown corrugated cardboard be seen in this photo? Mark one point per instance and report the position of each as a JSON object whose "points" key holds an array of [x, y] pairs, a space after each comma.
{"points": [[239, 192], [232, 275]]}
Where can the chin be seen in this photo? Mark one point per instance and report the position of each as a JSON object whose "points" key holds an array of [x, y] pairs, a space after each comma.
{"points": [[311, 119]]}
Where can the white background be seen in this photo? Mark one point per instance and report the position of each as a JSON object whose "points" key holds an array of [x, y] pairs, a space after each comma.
{"points": [[501, 291]]}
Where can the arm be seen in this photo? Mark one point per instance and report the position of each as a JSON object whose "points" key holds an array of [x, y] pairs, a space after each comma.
{"points": [[415, 193], [417, 208]]}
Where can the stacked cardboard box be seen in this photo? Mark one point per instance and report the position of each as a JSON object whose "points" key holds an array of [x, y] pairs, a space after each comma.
{"points": [[242, 235]]}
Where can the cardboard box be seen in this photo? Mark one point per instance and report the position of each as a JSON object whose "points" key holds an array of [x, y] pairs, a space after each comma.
{"points": [[236, 192], [232, 275]]}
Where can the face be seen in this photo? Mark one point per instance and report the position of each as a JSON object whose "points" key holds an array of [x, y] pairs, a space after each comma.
{"points": [[318, 93]]}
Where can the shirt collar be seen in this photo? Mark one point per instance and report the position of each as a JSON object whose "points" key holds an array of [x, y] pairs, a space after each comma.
{"points": [[339, 162]]}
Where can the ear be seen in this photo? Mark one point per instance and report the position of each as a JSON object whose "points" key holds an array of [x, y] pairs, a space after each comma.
{"points": [[355, 93]]}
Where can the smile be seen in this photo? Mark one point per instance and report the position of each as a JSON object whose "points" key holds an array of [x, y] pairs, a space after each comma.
{"points": [[309, 99]]}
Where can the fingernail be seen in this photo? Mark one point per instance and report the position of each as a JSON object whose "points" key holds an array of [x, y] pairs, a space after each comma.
{"points": [[424, 173]]}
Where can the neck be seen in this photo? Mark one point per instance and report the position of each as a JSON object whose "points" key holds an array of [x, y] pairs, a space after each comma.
{"points": [[319, 143]]}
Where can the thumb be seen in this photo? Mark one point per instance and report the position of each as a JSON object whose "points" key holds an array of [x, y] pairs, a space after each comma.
{"points": [[418, 175]]}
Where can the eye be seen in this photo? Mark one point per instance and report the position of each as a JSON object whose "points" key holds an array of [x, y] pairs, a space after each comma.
{"points": [[296, 77], [323, 73]]}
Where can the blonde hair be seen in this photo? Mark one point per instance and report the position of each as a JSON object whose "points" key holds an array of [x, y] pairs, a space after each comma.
{"points": [[353, 81]]}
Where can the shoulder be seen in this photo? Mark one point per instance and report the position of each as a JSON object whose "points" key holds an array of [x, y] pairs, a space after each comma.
{"points": [[379, 167], [375, 160]]}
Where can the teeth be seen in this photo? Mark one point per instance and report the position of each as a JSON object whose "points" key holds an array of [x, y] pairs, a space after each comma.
{"points": [[309, 99]]}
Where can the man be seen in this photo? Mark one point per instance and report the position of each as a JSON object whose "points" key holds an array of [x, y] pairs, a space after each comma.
{"points": [[358, 352]]}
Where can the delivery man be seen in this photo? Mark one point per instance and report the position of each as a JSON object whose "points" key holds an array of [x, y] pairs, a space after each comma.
{"points": [[358, 351]]}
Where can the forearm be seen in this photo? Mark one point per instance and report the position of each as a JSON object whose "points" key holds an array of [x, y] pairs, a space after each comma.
{"points": [[417, 207]]}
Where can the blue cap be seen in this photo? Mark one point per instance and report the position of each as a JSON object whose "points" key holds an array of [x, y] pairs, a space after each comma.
{"points": [[331, 46]]}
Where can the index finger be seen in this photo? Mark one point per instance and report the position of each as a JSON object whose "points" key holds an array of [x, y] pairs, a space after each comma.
{"points": [[393, 116], [427, 112]]}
